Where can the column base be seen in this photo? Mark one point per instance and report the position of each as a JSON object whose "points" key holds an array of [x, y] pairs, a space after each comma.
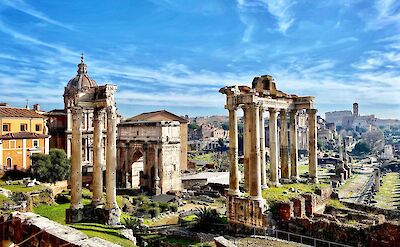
{"points": [[98, 203], [274, 184], [314, 180], [264, 186], [295, 179], [234, 193], [74, 215], [112, 216], [256, 198]]}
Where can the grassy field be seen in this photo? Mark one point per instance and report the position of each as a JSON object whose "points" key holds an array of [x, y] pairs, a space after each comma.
{"points": [[276, 194], [176, 241], [16, 187], [386, 197], [56, 212]]}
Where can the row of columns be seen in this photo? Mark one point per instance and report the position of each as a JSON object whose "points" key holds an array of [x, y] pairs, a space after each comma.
{"points": [[255, 153], [111, 159]]}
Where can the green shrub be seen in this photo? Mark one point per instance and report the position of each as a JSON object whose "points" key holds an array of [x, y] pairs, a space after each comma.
{"points": [[61, 199], [154, 204], [154, 212], [164, 206], [173, 207]]}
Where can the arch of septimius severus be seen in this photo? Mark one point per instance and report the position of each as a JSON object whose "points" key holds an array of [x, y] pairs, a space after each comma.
{"points": [[83, 96], [263, 96]]}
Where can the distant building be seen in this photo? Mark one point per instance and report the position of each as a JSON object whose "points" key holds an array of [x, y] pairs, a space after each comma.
{"points": [[23, 133], [387, 152], [336, 117]]}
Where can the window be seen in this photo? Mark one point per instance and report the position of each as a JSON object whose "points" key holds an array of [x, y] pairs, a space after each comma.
{"points": [[12, 144], [24, 127], [6, 127], [38, 127], [9, 163], [35, 143]]}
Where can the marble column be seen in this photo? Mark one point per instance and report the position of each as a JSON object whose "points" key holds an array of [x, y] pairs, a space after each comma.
{"points": [[76, 158], [111, 165], [157, 189], [98, 157], [284, 145], [312, 145], [233, 153], [128, 169], [255, 159], [294, 156], [273, 146], [246, 145], [262, 150]]}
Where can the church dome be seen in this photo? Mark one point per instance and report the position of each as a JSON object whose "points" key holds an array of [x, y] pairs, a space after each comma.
{"points": [[82, 79]]}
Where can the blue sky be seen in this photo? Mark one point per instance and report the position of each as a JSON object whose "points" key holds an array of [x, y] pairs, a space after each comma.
{"points": [[175, 55]]}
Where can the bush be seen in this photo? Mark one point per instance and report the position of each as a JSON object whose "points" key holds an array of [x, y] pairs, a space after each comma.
{"points": [[164, 207], [142, 210], [15, 175], [142, 200], [154, 204], [154, 212], [173, 207], [52, 167], [62, 199]]}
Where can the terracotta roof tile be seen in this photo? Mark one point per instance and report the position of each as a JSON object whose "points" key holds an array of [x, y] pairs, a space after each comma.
{"points": [[19, 112], [23, 135]]}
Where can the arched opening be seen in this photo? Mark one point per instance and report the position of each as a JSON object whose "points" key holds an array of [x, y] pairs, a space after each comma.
{"points": [[8, 164], [135, 170]]}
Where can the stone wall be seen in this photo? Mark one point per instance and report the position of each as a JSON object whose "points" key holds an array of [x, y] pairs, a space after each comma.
{"points": [[390, 214], [383, 235]]}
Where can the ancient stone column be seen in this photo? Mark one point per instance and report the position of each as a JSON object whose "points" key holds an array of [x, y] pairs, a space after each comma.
{"points": [[98, 123], [284, 145], [294, 156], [255, 157], [128, 169], [233, 153], [76, 158], [246, 145], [273, 146], [312, 145], [111, 165], [157, 189], [262, 150]]}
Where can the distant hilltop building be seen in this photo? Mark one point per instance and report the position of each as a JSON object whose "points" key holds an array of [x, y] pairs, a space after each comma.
{"points": [[349, 119]]}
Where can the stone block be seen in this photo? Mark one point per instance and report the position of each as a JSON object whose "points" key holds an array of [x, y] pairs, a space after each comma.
{"points": [[285, 210], [299, 207]]}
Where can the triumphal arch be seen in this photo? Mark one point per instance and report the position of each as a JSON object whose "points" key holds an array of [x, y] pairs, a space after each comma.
{"points": [[82, 95], [263, 96]]}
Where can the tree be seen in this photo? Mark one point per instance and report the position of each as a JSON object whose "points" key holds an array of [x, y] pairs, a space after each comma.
{"points": [[207, 216], [361, 148], [225, 126], [193, 126], [52, 167]]}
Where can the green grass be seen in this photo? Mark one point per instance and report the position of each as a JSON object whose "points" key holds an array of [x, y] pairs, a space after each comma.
{"points": [[190, 218], [385, 197], [209, 158], [4, 198], [336, 204], [275, 194], [56, 212], [104, 232], [15, 187]]}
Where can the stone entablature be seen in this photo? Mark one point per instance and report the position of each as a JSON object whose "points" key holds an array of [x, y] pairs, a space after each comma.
{"points": [[158, 144], [263, 96]]}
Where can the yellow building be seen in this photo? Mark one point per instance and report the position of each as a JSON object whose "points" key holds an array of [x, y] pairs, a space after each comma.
{"points": [[23, 132]]}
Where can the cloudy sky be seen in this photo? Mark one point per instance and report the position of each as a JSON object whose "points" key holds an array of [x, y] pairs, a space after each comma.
{"points": [[176, 54]]}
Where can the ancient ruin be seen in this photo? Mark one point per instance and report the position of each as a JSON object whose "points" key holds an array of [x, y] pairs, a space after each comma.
{"points": [[263, 96], [149, 152], [82, 95]]}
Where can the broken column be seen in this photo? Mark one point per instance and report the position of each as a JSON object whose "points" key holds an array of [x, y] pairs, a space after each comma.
{"points": [[312, 145], [157, 189], [246, 145], [112, 208]]}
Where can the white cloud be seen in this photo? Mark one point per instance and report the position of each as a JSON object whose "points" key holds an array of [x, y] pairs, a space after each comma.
{"points": [[387, 13], [22, 6], [280, 9]]}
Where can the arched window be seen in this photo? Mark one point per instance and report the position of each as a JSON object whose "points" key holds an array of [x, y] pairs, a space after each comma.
{"points": [[8, 164]]}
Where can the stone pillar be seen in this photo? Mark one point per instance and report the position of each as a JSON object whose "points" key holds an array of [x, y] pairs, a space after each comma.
{"points": [[255, 159], [312, 145], [76, 159], [157, 189], [262, 150], [246, 145], [98, 157], [273, 145], [294, 155], [233, 153], [111, 165], [128, 169], [284, 145]]}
